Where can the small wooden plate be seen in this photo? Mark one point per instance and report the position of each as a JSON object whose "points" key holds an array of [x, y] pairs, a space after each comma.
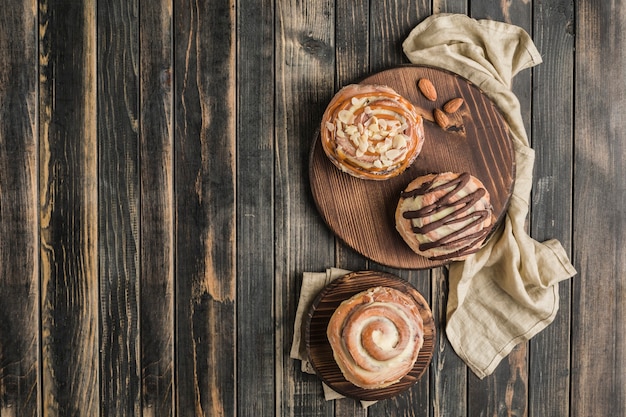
{"points": [[321, 354], [361, 212]]}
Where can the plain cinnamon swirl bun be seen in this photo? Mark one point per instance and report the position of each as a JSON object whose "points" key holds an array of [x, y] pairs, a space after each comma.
{"points": [[445, 216], [371, 131], [376, 336]]}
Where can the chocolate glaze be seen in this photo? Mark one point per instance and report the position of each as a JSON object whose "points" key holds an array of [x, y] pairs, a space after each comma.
{"points": [[462, 205]]}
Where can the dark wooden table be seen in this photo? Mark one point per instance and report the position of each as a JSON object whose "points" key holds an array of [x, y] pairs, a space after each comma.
{"points": [[156, 215]]}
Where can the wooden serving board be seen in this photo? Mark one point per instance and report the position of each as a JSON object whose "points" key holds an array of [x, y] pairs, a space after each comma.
{"points": [[361, 212], [319, 350]]}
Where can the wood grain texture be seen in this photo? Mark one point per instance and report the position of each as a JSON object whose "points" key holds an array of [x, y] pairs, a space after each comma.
{"points": [[156, 251], [321, 353], [204, 175], [506, 391], [156, 214], [598, 381], [69, 208], [361, 212], [19, 235], [118, 211], [390, 23], [351, 63], [256, 345], [551, 208], [448, 372], [304, 61]]}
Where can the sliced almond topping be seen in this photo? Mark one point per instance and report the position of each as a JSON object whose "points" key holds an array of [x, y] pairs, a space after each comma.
{"points": [[355, 140], [392, 154], [345, 116], [399, 141], [351, 130], [363, 144], [330, 126]]}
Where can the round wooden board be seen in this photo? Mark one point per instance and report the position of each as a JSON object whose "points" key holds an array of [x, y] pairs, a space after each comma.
{"points": [[361, 212], [319, 350]]}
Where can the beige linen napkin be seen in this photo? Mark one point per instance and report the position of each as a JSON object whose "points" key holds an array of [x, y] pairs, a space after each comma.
{"points": [[508, 291], [312, 284]]}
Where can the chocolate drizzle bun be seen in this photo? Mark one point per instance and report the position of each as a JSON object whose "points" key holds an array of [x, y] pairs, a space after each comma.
{"points": [[371, 131], [445, 216]]}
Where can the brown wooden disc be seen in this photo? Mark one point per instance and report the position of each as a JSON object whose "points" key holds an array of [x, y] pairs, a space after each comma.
{"points": [[361, 212], [319, 350]]}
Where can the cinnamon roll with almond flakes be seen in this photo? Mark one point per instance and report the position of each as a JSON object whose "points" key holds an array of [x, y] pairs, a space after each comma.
{"points": [[371, 131], [376, 336], [445, 216]]}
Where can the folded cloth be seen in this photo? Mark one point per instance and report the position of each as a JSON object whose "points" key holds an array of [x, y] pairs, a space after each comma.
{"points": [[508, 291], [312, 284]]}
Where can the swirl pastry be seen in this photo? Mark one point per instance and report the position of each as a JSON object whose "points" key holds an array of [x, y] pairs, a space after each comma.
{"points": [[376, 336], [371, 131], [445, 216]]}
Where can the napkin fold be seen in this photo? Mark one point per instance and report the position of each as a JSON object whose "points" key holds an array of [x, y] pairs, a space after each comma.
{"points": [[508, 291]]}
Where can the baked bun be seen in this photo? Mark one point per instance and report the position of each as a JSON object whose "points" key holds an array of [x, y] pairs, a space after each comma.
{"points": [[376, 336], [445, 216], [371, 131]]}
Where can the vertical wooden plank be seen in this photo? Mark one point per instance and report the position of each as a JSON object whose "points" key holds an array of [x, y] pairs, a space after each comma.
{"points": [[351, 63], [551, 210], [506, 390], [255, 209], [68, 207], [390, 23], [204, 137], [19, 274], [304, 63], [352, 23], [156, 252], [450, 6], [118, 196], [449, 372], [598, 380]]}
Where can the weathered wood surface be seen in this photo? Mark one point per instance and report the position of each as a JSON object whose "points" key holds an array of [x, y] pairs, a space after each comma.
{"points": [[156, 214], [361, 213], [319, 349]]}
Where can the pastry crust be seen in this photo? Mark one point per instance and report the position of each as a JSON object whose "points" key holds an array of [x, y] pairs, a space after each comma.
{"points": [[371, 131], [376, 336], [445, 216]]}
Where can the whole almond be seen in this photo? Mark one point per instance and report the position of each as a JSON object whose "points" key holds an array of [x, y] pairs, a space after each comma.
{"points": [[427, 88], [441, 118], [453, 105]]}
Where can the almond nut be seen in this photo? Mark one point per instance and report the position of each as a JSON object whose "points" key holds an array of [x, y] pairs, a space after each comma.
{"points": [[441, 118], [453, 105], [427, 88]]}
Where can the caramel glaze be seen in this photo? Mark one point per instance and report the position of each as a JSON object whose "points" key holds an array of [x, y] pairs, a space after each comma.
{"points": [[462, 205], [397, 108]]}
